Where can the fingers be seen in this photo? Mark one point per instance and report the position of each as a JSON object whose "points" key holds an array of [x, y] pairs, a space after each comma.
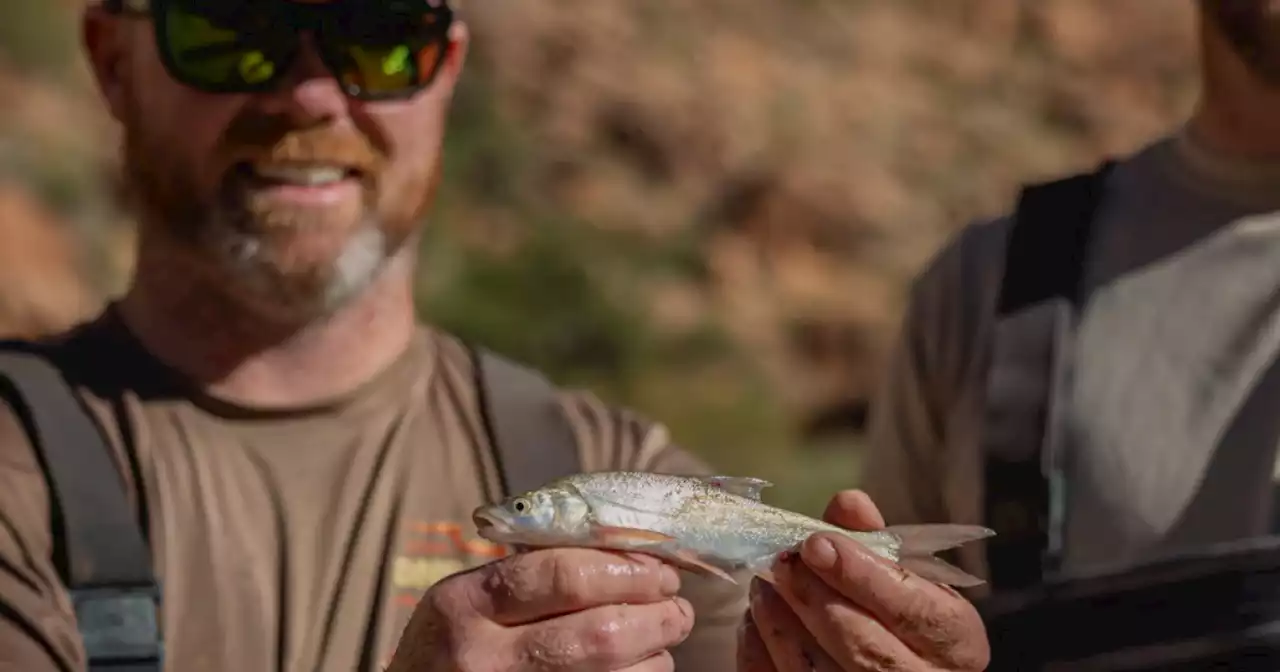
{"points": [[787, 643], [848, 633], [753, 654], [853, 510], [528, 587], [614, 637], [936, 623]]}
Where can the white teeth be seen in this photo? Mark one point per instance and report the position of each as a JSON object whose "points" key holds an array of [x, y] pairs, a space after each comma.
{"points": [[308, 176]]}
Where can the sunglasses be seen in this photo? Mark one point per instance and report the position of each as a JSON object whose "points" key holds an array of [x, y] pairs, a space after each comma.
{"points": [[375, 49]]}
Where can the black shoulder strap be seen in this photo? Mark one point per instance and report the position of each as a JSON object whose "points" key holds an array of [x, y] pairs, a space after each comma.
{"points": [[532, 439], [105, 561], [1030, 365], [1045, 254]]}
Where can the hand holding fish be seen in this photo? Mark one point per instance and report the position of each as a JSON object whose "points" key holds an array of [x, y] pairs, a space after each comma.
{"points": [[547, 610], [837, 607], [850, 596]]}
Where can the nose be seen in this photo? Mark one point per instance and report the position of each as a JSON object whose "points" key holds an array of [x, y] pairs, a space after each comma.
{"points": [[308, 93]]}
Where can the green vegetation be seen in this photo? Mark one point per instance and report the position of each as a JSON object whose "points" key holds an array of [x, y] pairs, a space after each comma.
{"points": [[566, 299]]}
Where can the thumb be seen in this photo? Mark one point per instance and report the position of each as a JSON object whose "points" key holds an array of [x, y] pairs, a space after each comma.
{"points": [[853, 510]]}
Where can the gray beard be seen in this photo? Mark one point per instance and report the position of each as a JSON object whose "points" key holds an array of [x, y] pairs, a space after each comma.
{"points": [[235, 259], [256, 280]]}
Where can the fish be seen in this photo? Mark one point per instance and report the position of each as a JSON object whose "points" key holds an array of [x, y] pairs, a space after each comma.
{"points": [[710, 525]]}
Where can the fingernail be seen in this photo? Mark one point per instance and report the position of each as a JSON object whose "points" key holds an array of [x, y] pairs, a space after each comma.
{"points": [[762, 592], [819, 553], [670, 580], [686, 609]]}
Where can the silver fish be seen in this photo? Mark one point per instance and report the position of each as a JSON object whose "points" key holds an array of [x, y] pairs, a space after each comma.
{"points": [[714, 525]]}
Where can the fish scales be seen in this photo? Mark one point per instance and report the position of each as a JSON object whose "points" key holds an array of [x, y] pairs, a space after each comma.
{"points": [[728, 528], [713, 525]]}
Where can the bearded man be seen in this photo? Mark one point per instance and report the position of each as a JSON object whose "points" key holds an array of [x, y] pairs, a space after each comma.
{"points": [[297, 455]]}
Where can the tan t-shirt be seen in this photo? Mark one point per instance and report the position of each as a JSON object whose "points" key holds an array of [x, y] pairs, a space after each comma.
{"points": [[296, 540]]}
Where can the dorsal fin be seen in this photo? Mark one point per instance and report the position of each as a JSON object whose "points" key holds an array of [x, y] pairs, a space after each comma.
{"points": [[743, 486]]}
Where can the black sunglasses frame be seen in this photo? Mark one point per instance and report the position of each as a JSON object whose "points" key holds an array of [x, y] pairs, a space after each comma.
{"points": [[305, 19]]}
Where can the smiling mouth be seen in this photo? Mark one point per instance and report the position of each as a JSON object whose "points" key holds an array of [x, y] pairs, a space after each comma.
{"points": [[295, 174]]}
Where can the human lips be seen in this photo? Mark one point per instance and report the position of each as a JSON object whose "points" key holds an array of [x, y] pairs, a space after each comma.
{"points": [[298, 173], [301, 174], [303, 182]]}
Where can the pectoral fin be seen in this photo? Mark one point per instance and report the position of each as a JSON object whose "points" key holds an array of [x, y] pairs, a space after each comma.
{"points": [[655, 543], [627, 537], [689, 560]]}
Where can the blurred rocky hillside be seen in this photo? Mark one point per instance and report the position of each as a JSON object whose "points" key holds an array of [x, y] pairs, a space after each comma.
{"points": [[705, 208]]}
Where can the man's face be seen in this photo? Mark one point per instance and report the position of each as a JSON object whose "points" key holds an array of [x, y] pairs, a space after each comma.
{"points": [[293, 199], [1252, 28]]}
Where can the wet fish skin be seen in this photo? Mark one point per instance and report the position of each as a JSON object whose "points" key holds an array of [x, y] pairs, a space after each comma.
{"points": [[714, 525]]}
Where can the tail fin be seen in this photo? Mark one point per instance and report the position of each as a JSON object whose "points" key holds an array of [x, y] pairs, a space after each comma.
{"points": [[920, 542]]}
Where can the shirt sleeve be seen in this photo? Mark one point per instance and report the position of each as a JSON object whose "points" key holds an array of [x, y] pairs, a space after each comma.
{"points": [[909, 465], [38, 631], [618, 439], [905, 432]]}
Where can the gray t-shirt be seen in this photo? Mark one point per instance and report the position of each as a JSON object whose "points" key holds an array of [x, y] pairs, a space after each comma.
{"points": [[1171, 410]]}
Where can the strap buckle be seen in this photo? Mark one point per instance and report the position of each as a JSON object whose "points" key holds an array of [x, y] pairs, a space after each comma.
{"points": [[120, 626]]}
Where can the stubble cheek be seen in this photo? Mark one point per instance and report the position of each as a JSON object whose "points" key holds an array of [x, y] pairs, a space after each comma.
{"points": [[416, 134], [404, 197]]}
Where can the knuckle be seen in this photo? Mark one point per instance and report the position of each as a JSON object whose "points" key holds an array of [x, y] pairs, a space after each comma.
{"points": [[950, 629], [607, 644], [621, 630], [443, 628], [922, 615], [479, 658], [568, 581], [445, 600], [873, 655], [553, 648], [515, 580], [607, 639]]}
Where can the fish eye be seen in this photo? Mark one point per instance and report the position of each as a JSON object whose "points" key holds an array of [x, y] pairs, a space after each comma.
{"points": [[521, 505]]}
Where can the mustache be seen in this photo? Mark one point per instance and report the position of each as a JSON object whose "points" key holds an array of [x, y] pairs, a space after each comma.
{"points": [[276, 138]]}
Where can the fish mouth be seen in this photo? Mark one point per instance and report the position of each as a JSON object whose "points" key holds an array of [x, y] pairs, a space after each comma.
{"points": [[490, 526]]}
